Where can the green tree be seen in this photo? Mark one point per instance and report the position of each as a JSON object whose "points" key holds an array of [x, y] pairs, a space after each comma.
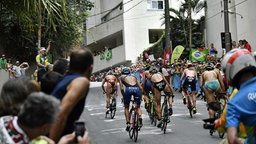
{"points": [[62, 22], [192, 6]]}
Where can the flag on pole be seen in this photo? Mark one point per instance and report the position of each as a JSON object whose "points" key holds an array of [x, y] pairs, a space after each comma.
{"points": [[178, 50], [198, 54]]}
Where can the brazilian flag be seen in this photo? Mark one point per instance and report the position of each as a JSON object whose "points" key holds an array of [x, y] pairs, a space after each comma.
{"points": [[198, 54], [108, 54], [102, 56]]}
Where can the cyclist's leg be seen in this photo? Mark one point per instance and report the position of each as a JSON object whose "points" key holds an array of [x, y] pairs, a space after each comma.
{"points": [[157, 100], [127, 98], [108, 91], [137, 95], [184, 92], [210, 98], [168, 92]]}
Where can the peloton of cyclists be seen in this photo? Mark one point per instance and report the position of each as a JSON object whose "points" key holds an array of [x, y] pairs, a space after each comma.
{"points": [[129, 85], [158, 84], [190, 76], [111, 88]]}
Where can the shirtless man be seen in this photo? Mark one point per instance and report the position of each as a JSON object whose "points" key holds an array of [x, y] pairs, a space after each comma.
{"points": [[111, 88], [146, 85], [132, 87], [190, 75], [158, 84], [211, 82]]}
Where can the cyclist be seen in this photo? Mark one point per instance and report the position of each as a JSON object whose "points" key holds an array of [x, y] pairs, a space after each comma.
{"points": [[132, 87], [239, 67], [158, 84], [211, 83], [190, 75], [146, 86], [111, 88]]}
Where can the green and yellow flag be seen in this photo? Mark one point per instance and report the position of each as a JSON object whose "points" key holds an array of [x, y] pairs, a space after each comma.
{"points": [[198, 54], [102, 56], [177, 51], [108, 54]]}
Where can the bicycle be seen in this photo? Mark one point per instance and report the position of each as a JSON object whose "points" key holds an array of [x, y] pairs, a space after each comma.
{"points": [[190, 105], [218, 107], [165, 113], [152, 109], [112, 107], [134, 119]]}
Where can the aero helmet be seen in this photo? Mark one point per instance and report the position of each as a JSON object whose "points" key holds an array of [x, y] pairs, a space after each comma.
{"points": [[209, 66], [126, 70], [189, 64], [235, 61], [153, 69]]}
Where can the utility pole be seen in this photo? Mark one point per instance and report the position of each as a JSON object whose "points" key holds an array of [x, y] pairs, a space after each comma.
{"points": [[167, 26], [226, 24], [190, 24]]}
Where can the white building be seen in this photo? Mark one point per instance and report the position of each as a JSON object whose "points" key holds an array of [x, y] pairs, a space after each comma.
{"points": [[242, 22], [126, 26]]}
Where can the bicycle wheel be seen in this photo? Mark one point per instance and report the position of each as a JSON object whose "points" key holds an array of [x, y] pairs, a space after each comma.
{"points": [[136, 127], [152, 113], [131, 125], [154, 116], [113, 110], [131, 132], [165, 117], [221, 135]]}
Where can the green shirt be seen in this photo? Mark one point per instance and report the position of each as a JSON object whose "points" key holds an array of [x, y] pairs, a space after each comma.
{"points": [[2, 63]]}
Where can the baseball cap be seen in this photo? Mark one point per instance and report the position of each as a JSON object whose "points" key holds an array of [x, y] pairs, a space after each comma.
{"points": [[3, 55], [17, 62], [42, 49]]}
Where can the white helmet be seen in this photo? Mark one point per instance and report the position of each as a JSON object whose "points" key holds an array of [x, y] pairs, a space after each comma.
{"points": [[235, 61]]}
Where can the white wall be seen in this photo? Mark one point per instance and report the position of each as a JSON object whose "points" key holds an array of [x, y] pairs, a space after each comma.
{"points": [[137, 22], [240, 28], [118, 55], [246, 27]]}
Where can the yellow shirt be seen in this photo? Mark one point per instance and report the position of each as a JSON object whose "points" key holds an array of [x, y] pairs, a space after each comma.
{"points": [[221, 123]]}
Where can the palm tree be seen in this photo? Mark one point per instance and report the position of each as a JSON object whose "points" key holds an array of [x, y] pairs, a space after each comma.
{"points": [[27, 10], [192, 6]]}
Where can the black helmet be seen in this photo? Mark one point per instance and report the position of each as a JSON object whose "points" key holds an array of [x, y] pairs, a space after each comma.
{"points": [[153, 70], [209, 66], [126, 70]]}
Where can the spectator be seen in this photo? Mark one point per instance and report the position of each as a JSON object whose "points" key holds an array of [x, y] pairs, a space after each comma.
{"points": [[49, 81], [13, 94], [240, 44], [61, 66], [41, 61], [72, 91], [17, 70], [3, 62], [234, 45], [34, 119], [247, 45], [23, 67]]}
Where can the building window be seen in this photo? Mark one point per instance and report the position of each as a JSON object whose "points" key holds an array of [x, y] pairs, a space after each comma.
{"points": [[156, 4]]}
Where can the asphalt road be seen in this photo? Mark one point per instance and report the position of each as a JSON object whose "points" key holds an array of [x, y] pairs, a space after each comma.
{"points": [[181, 130]]}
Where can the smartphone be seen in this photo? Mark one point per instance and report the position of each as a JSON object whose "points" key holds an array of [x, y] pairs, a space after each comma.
{"points": [[79, 129]]}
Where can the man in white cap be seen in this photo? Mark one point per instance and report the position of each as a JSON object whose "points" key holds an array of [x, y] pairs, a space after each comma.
{"points": [[41, 61]]}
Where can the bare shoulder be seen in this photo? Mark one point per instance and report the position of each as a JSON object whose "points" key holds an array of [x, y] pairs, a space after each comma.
{"points": [[81, 82]]}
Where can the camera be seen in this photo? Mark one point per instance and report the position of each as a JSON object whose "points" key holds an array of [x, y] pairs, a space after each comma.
{"points": [[79, 127], [209, 126]]}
